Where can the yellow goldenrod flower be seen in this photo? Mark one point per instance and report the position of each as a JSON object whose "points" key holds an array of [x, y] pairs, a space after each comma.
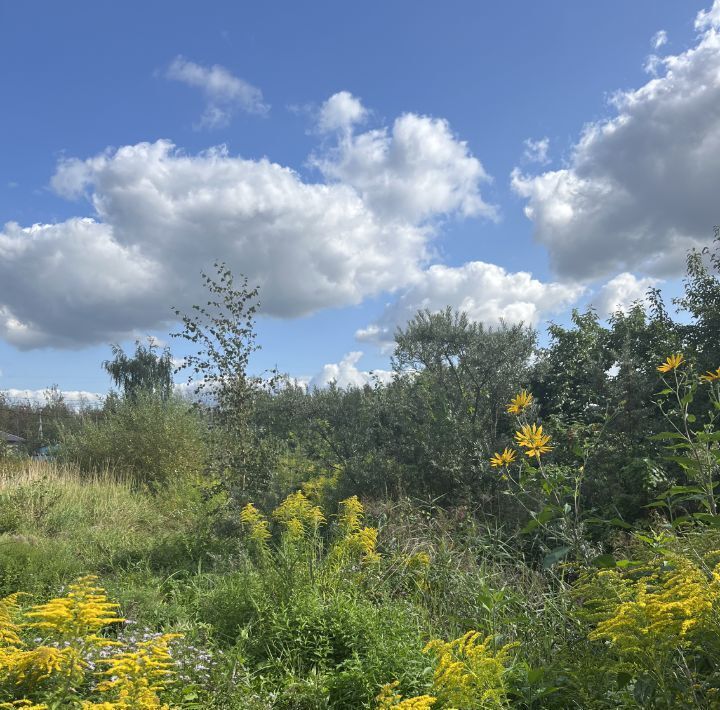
{"points": [[469, 673], [672, 362], [503, 459], [532, 439], [519, 403], [656, 613], [298, 515], [9, 629], [710, 376], [82, 612], [136, 677], [34, 666], [354, 542], [390, 699], [257, 525], [351, 514]]}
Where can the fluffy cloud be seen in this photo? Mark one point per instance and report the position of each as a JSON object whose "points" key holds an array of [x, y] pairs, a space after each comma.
{"points": [[412, 172], [621, 292], [486, 292], [640, 187], [223, 91], [160, 216], [346, 374], [341, 112], [71, 283]]}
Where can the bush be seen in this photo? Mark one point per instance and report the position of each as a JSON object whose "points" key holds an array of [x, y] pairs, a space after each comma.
{"points": [[154, 442]]}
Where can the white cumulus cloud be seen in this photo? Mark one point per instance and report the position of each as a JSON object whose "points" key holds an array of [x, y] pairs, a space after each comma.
{"points": [[346, 373], [341, 112], [621, 292], [486, 292], [159, 216], [641, 186], [224, 92], [411, 172]]}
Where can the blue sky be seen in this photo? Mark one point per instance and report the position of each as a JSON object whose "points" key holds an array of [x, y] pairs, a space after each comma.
{"points": [[359, 160]]}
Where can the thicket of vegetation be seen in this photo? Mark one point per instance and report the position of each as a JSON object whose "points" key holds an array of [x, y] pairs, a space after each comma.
{"points": [[501, 525]]}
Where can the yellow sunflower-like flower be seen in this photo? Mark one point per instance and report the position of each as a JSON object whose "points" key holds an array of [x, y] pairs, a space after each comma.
{"points": [[711, 376], [519, 403], [672, 363], [532, 439], [503, 459]]}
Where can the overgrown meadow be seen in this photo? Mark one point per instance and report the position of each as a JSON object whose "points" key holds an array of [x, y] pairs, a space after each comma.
{"points": [[499, 526]]}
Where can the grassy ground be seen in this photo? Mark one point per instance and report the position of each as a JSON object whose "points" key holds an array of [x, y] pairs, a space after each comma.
{"points": [[325, 619]]}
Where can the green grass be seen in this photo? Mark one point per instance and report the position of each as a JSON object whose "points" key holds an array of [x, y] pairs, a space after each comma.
{"points": [[292, 630]]}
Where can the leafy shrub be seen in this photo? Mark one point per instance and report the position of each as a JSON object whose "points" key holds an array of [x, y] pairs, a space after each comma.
{"points": [[154, 442]]}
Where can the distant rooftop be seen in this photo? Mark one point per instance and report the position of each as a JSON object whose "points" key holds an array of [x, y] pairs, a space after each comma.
{"points": [[10, 438]]}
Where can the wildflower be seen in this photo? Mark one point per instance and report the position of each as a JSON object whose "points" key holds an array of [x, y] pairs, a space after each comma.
{"points": [[672, 363], [359, 545], [81, 613], [469, 673], [298, 515], [136, 677], [351, 514], [710, 376], [389, 699], [655, 613], [256, 523], [531, 438], [9, 630], [519, 403], [503, 459], [33, 666]]}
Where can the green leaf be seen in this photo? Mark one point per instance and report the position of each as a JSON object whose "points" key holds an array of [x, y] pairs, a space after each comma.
{"points": [[709, 519], [604, 561], [680, 490], [657, 504], [681, 520], [549, 512], [684, 461], [534, 675], [665, 435], [555, 556], [532, 525], [624, 564]]}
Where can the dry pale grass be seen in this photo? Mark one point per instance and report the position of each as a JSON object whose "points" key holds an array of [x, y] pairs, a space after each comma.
{"points": [[22, 471], [55, 496]]}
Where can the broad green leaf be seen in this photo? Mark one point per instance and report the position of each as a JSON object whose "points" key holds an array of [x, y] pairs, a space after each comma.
{"points": [[604, 561], [554, 556], [665, 435]]}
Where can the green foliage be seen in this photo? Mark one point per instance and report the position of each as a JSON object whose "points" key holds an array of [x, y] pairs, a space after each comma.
{"points": [[147, 372], [153, 442], [223, 331]]}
